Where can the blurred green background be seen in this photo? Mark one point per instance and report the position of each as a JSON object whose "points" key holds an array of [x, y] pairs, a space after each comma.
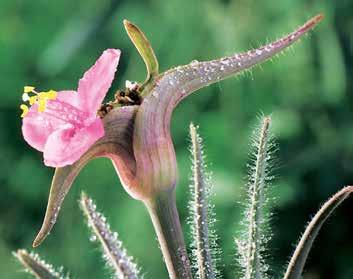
{"points": [[308, 91]]}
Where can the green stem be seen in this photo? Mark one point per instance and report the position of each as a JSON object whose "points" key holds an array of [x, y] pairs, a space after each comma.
{"points": [[165, 219]]}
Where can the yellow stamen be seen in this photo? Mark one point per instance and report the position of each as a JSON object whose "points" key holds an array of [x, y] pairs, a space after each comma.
{"points": [[25, 110], [40, 98], [28, 89], [33, 100]]}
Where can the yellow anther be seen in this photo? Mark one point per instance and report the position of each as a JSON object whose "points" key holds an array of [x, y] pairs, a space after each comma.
{"points": [[33, 100], [25, 110], [28, 89]]}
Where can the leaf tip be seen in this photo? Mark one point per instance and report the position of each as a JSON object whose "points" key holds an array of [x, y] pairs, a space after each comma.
{"points": [[19, 253], [42, 234], [84, 196], [37, 241], [312, 22], [318, 18], [129, 25]]}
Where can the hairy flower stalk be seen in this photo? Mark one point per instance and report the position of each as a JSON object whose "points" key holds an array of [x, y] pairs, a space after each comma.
{"points": [[37, 267], [252, 246], [114, 254], [141, 148], [205, 249]]}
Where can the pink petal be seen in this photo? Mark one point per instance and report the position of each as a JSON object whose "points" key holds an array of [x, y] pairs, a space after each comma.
{"points": [[65, 146], [37, 127], [95, 83], [69, 96]]}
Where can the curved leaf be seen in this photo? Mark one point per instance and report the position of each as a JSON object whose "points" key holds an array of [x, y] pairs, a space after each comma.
{"points": [[153, 147], [297, 262]]}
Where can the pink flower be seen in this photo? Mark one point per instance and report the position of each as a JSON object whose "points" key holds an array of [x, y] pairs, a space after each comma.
{"points": [[64, 125]]}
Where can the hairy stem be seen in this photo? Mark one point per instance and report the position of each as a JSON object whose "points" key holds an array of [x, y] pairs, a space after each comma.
{"points": [[165, 218]]}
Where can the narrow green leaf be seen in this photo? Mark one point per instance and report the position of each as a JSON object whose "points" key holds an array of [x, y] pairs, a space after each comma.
{"points": [[144, 47], [36, 266], [297, 262]]}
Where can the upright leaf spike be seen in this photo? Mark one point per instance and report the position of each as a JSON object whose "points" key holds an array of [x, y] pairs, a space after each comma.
{"points": [[297, 262], [251, 246], [144, 47], [115, 255], [205, 249]]}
